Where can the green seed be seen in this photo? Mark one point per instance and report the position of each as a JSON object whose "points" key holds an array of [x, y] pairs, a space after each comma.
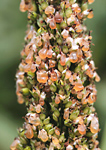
{"points": [[74, 115], [86, 110], [62, 138], [89, 134], [48, 126], [27, 148], [46, 121], [53, 88], [51, 131], [63, 25], [19, 147], [66, 122], [68, 12], [58, 26], [22, 133], [84, 6], [23, 141], [42, 116], [34, 7], [61, 92], [65, 49], [67, 87], [62, 5], [44, 5], [68, 63], [59, 41], [56, 112], [71, 1], [55, 117], [43, 16], [31, 74], [68, 104], [60, 68], [25, 91]]}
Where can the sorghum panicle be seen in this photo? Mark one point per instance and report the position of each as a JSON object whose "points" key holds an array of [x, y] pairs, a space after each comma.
{"points": [[56, 78]]}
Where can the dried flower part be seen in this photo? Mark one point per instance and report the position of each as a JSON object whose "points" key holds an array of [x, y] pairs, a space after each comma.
{"points": [[14, 144], [58, 18], [49, 10], [56, 78], [43, 135], [66, 114], [57, 99]]}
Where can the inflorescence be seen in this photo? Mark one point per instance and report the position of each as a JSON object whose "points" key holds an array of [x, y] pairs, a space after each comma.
{"points": [[56, 78]]}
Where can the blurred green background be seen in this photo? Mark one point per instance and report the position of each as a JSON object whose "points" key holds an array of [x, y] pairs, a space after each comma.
{"points": [[12, 32]]}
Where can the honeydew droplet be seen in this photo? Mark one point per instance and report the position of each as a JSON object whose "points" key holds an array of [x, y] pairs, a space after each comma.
{"points": [[42, 76], [90, 15], [27, 67], [29, 131], [97, 78], [55, 140], [71, 79], [94, 126], [58, 18], [82, 129], [52, 63], [52, 24], [43, 53], [63, 59], [20, 99], [33, 68], [90, 1], [85, 47], [69, 147], [78, 86], [78, 28], [68, 74], [38, 108], [41, 102], [14, 144], [38, 60], [54, 76], [49, 53], [91, 98], [29, 58], [73, 57], [76, 8], [22, 6]]}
